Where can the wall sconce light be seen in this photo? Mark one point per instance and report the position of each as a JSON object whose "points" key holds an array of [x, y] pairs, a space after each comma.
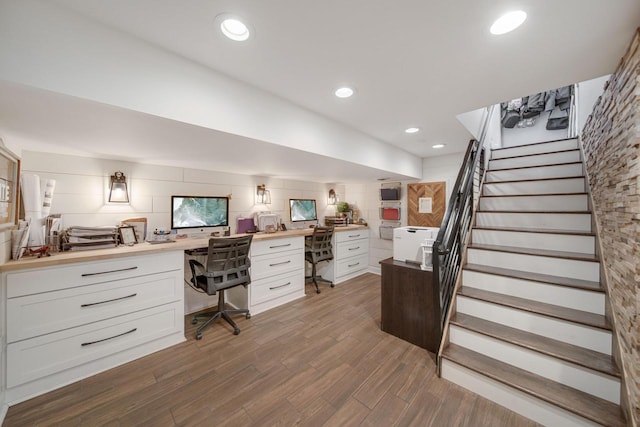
{"points": [[333, 197], [263, 196], [118, 190]]}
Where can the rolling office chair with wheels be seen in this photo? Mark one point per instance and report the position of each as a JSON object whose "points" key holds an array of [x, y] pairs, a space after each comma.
{"points": [[318, 248], [227, 266]]}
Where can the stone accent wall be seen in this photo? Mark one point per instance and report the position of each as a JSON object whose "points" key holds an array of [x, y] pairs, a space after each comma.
{"points": [[611, 143]]}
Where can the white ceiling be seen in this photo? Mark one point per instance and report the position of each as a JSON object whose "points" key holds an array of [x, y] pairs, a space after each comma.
{"points": [[412, 62]]}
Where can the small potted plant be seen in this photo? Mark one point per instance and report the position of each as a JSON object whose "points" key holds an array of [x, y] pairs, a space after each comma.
{"points": [[344, 210]]}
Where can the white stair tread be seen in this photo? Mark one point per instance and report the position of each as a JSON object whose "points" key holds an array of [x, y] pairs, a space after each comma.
{"points": [[537, 252], [536, 230], [570, 353], [563, 313], [583, 404], [537, 277]]}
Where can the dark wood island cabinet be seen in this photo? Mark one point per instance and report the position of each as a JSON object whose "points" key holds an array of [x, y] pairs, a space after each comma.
{"points": [[410, 304]]}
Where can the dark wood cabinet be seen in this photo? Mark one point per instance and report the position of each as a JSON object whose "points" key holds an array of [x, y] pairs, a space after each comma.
{"points": [[410, 304]]}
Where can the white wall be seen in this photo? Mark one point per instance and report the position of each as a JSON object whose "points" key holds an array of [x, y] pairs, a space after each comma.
{"points": [[366, 195], [473, 121], [442, 168], [82, 189], [588, 94]]}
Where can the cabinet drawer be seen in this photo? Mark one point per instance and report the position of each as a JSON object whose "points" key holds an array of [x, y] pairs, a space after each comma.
{"points": [[345, 236], [275, 287], [86, 273], [76, 306], [271, 246], [352, 248], [270, 265], [45, 355], [352, 265]]}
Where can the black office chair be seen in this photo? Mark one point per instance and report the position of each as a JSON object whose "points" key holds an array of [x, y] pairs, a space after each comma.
{"points": [[227, 266], [318, 248]]}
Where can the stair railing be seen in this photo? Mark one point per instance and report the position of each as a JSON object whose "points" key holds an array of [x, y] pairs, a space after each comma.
{"points": [[449, 245]]}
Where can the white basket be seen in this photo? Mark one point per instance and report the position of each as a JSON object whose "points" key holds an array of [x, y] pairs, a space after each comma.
{"points": [[427, 250]]}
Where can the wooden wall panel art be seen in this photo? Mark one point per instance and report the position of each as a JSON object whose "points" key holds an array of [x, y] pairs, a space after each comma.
{"points": [[431, 193]]}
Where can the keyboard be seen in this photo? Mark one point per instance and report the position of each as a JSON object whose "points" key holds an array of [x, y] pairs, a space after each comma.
{"points": [[197, 251]]}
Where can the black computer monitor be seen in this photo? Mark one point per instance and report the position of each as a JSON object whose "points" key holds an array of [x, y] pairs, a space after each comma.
{"points": [[199, 211], [303, 210]]}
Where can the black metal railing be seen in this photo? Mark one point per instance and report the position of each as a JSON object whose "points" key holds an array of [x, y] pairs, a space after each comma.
{"points": [[449, 245]]}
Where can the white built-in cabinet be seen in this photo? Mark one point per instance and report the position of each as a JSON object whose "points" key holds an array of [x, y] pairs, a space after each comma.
{"points": [[277, 272], [67, 322], [350, 255]]}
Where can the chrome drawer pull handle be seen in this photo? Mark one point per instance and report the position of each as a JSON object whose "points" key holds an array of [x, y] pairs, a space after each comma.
{"points": [[107, 272], [110, 338], [354, 249], [354, 235], [279, 246], [353, 265], [279, 263], [281, 286], [109, 300]]}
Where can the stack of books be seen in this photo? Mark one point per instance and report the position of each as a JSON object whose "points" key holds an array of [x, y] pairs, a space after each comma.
{"points": [[83, 238], [336, 221]]}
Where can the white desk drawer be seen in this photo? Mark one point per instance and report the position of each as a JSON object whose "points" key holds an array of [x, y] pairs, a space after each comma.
{"points": [[45, 355], [47, 312], [275, 287], [273, 264], [86, 273], [352, 248], [345, 236], [271, 246], [352, 265]]}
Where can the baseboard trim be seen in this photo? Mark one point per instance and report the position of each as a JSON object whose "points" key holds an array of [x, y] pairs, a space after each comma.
{"points": [[3, 411]]}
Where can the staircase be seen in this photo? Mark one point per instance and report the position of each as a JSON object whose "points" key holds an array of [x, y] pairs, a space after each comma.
{"points": [[529, 331]]}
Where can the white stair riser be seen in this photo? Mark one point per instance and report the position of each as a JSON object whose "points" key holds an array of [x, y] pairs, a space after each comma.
{"points": [[564, 296], [515, 400], [569, 332], [550, 186], [546, 241], [592, 382], [561, 203], [547, 221], [576, 269], [522, 150], [540, 172], [535, 160]]}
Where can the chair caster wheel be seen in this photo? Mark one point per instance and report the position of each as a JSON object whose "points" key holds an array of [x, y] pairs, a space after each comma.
{"points": [[198, 336], [248, 316], [236, 331], [333, 286], [318, 291], [194, 321]]}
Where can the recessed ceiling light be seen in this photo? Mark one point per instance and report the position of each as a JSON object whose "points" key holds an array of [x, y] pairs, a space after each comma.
{"points": [[412, 130], [344, 92], [438, 146], [508, 22], [234, 28]]}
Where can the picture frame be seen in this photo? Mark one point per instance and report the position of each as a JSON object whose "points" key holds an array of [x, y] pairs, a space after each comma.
{"points": [[9, 187], [127, 235]]}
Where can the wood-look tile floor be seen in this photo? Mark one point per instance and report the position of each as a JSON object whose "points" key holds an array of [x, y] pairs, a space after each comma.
{"points": [[319, 361]]}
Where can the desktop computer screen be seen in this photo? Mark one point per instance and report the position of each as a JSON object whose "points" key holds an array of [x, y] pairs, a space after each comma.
{"points": [[199, 211], [303, 210]]}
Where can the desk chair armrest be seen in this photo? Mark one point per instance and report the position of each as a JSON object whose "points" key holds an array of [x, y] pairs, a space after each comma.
{"points": [[197, 269]]}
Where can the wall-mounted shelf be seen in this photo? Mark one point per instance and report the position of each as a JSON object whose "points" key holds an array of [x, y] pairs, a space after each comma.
{"points": [[390, 196]]}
